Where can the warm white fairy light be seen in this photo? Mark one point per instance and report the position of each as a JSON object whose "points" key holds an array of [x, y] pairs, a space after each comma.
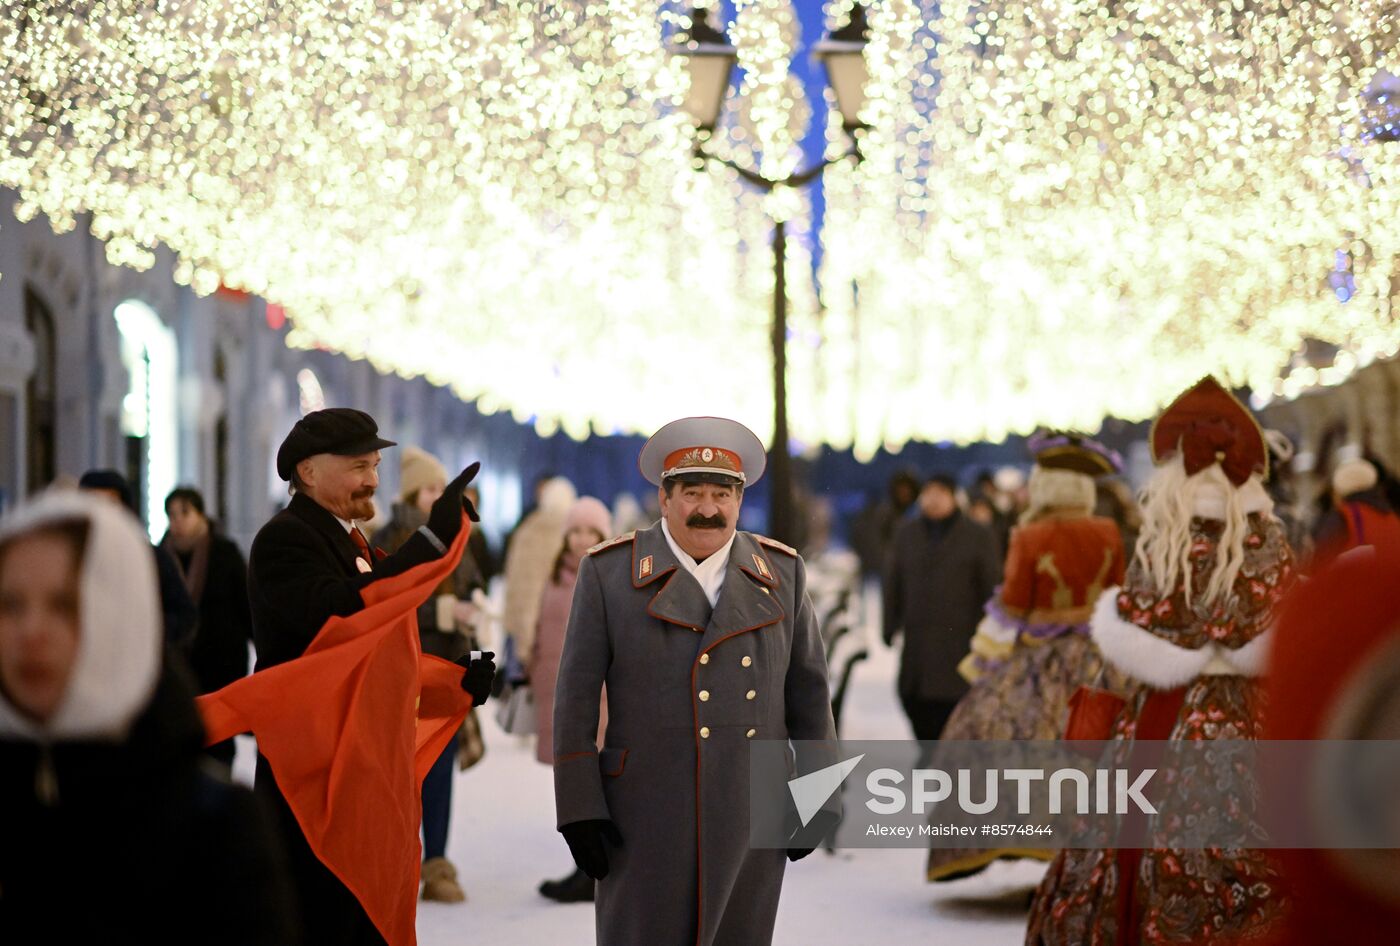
{"points": [[496, 195], [1074, 208]]}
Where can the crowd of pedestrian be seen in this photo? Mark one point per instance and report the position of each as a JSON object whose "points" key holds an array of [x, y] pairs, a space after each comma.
{"points": [[1004, 594]]}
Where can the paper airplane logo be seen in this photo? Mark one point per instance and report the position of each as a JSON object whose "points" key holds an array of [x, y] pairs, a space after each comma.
{"points": [[811, 791]]}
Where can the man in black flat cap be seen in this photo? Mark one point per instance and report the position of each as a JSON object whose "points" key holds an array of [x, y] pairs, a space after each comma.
{"points": [[309, 564]]}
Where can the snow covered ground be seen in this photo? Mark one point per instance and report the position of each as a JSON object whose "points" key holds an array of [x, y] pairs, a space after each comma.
{"points": [[504, 843]]}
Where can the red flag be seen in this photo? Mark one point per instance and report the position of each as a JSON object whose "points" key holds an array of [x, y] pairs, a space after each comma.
{"points": [[350, 729]]}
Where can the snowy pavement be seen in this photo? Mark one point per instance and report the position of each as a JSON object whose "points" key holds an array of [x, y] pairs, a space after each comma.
{"points": [[504, 843]]}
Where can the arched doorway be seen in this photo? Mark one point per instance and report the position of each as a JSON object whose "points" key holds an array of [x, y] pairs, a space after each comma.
{"points": [[150, 417], [41, 434]]}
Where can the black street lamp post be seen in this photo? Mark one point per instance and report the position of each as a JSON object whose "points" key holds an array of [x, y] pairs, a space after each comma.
{"points": [[711, 60]]}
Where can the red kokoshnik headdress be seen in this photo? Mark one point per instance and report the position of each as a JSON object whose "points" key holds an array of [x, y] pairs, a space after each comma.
{"points": [[1207, 424]]}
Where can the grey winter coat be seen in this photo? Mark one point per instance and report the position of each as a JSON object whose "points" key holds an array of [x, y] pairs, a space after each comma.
{"points": [[687, 691], [935, 591]]}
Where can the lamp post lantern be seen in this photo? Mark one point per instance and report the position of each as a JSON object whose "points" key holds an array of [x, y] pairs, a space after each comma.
{"points": [[710, 59]]}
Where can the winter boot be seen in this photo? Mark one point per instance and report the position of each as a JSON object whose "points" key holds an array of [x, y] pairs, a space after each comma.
{"points": [[440, 881], [575, 888]]}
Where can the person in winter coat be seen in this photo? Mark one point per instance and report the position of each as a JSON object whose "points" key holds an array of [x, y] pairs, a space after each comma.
{"points": [[101, 751], [534, 546], [874, 528], [1361, 515], [422, 479], [1191, 624], [942, 569], [706, 640], [216, 577], [310, 563], [178, 612], [587, 525]]}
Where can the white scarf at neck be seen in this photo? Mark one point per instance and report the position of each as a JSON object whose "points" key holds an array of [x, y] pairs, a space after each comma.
{"points": [[710, 572]]}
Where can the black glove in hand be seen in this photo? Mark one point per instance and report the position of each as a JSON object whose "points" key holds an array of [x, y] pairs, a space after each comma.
{"points": [[480, 672], [445, 518], [809, 838], [587, 844]]}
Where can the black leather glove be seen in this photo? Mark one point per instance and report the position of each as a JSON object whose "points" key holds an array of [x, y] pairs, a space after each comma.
{"points": [[445, 518], [479, 674], [810, 838], [587, 844]]}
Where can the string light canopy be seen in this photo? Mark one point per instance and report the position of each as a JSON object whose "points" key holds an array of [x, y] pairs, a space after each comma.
{"points": [[1067, 208], [497, 196], [1075, 208]]}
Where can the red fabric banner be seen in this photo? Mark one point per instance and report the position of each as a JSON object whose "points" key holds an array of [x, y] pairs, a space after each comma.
{"points": [[350, 729]]}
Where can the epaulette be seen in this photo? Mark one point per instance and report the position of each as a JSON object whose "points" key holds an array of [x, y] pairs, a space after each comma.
{"points": [[612, 543], [775, 544]]}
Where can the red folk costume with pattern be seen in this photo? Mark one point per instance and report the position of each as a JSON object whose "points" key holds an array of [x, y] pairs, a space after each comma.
{"points": [[1191, 625]]}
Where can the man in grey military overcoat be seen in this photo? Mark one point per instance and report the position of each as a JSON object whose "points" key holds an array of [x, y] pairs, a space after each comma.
{"points": [[706, 640]]}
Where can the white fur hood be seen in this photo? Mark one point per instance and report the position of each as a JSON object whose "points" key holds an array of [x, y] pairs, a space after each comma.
{"points": [[119, 649]]}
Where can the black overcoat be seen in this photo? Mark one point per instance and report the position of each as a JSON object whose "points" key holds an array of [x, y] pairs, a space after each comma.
{"points": [[936, 588], [138, 844], [220, 652], [301, 572]]}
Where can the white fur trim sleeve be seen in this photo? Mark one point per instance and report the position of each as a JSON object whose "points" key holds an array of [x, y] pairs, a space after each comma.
{"points": [[1253, 658], [1139, 652], [994, 628]]}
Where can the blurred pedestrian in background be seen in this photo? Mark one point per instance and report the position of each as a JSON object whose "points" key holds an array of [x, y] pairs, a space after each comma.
{"points": [[216, 577], [442, 620], [113, 831], [874, 528], [628, 514], [534, 546], [1114, 500], [942, 569], [587, 525], [1283, 491], [178, 611], [1361, 514]]}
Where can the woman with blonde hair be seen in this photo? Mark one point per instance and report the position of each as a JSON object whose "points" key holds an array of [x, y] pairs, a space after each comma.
{"points": [[1191, 626]]}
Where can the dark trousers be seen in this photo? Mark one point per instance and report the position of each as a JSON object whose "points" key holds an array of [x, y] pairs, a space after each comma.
{"points": [[928, 718], [437, 803]]}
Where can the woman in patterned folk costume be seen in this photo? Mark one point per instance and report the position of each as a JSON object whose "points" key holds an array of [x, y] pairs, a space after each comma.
{"points": [[1032, 650], [1191, 626]]}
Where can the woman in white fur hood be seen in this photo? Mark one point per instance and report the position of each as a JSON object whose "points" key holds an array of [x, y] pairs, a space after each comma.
{"points": [[1191, 625], [112, 830]]}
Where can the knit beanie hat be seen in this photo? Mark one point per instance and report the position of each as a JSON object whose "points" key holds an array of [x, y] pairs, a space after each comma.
{"points": [[591, 513], [1353, 476], [417, 469]]}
